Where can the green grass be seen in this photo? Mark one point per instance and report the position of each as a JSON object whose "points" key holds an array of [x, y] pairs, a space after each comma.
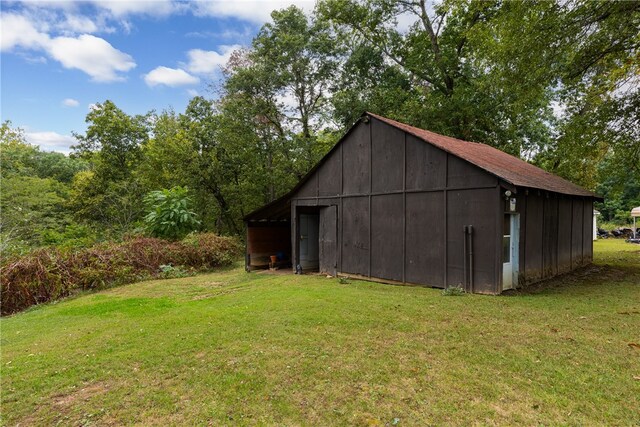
{"points": [[233, 348]]}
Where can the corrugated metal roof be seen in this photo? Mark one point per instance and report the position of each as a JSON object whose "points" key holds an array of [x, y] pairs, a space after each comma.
{"points": [[503, 165]]}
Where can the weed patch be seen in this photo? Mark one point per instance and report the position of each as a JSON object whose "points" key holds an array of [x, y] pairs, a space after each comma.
{"points": [[49, 274]]}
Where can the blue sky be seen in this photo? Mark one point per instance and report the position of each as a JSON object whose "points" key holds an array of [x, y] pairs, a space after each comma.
{"points": [[60, 57]]}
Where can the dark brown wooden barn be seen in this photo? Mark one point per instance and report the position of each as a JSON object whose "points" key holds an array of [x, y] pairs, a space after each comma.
{"points": [[405, 205]]}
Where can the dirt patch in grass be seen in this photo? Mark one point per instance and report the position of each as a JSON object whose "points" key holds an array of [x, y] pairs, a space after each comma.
{"points": [[80, 395]]}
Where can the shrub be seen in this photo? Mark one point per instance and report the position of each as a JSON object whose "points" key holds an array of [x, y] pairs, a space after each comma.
{"points": [[453, 291], [169, 215], [170, 272], [51, 273]]}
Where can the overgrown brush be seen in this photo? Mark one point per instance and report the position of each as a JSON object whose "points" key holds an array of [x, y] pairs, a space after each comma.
{"points": [[50, 273]]}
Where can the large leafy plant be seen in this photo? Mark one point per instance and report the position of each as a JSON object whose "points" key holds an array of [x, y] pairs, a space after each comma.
{"points": [[170, 216]]}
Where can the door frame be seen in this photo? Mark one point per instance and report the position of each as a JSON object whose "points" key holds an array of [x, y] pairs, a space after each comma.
{"points": [[514, 250], [298, 210]]}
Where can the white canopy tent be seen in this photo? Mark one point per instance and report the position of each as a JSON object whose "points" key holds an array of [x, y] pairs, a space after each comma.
{"points": [[635, 213]]}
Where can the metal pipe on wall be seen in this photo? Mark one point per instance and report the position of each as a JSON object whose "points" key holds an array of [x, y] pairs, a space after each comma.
{"points": [[464, 256], [471, 258]]}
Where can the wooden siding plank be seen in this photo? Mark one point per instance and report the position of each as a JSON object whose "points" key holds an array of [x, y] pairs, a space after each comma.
{"points": [[477, 208], [387, 158], [425, 254], [576, 234], [426, 165], [387, 237], [355, 233], [356, 154]]}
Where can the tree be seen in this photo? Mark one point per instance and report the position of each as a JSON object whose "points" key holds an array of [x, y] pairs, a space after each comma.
{"points": [[456, 88], [113, 141], [273, 116], [30, 207], [600, 92], [113, 144], [34, 190]]}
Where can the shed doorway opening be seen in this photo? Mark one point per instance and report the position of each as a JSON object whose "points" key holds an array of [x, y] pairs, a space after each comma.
{"points": [[309, 242], [510, 247]]}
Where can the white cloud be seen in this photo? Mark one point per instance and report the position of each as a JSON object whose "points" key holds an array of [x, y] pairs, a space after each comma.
{"points": [[250, 10], [209, 61], [77, 24], [18, 31], [169, 77], [93, 55], [114, 8], [192, 92], [51, 141], [32, 59], [70, 102], [122, 8]]}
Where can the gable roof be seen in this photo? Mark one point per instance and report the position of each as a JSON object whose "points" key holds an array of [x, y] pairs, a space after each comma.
{"points": [[505, 166]]}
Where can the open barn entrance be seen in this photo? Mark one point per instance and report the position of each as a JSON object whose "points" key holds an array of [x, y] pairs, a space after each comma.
{"points": [[269, 237], [316, 237], [269, 245]]}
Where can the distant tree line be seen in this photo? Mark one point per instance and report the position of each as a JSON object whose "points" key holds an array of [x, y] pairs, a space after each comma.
{"points": [[556, 83]]}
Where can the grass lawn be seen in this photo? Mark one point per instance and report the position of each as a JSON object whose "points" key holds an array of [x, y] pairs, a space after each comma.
{"points": [[235, 348]]}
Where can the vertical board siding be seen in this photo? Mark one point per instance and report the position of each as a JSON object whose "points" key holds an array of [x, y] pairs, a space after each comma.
{"points": [[329, 176], [550, 237], [475, 207], [355, 235], [463, 174], [309, 188], [387, 158], [424, 239], [521, 208], [356, 152], [386, 237], [565, 242], [533, 261], [587, 235], [328, 239], [564, 235], [577, 234], [426, 165]]}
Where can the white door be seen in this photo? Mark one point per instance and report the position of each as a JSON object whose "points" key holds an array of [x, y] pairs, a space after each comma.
{"points": [[510, 240], [309, 245]]}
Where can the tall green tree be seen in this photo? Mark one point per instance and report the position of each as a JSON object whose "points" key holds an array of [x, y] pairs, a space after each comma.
{"points": [[277, 92], [34, 189], [113, 144], [600, 92], [113, 141], [455, 88]]}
